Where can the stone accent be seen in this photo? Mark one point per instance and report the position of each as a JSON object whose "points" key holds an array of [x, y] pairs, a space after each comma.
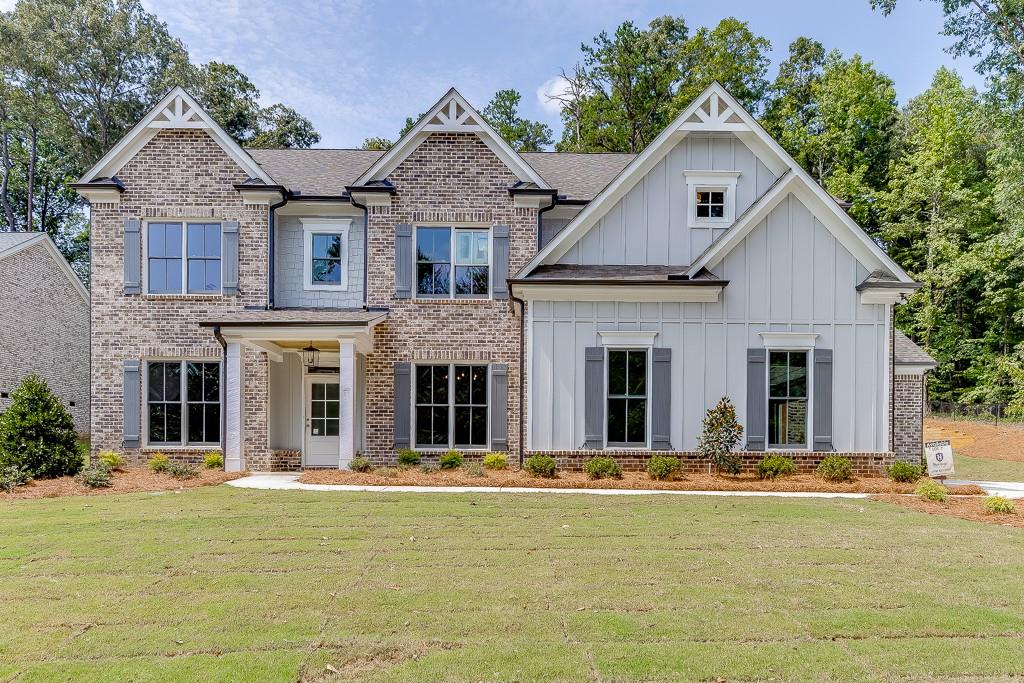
{"points": [[864, 464], [450, 178], [178, 174], [908, 417], [44, 329], [289, 261]]}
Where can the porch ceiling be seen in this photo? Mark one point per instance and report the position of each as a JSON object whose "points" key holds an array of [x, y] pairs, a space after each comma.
{"points": [[279, 330]]}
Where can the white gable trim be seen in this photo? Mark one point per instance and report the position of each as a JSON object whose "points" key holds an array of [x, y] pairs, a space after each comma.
{"points": [[56, 255], [451, 114], [177, 110]]}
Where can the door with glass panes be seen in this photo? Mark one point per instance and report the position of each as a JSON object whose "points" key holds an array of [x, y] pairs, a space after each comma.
{"points": [[322, 423]]}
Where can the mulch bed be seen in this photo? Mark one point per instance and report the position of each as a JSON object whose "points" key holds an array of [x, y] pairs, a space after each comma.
{"points": [[964, 508], [979, 439], [129, 480], [629, 480]]}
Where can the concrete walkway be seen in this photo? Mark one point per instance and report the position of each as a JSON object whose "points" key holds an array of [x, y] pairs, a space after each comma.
{"points": [[287, 482], [1007, 489]]}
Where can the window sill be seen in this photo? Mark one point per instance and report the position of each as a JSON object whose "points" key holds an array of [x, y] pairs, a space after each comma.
{"points": [[150, 448], [183, 297], [460, 301], [438, 451], [325, 288]]}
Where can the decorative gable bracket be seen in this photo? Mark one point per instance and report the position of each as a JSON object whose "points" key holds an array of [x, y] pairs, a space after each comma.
{"points": [[714, 115]]}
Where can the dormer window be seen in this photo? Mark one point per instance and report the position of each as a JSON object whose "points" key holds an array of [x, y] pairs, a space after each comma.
{"points": [[711, 196]]}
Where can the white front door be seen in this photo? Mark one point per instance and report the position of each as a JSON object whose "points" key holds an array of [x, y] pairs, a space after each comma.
{"points": [[322, 421]]}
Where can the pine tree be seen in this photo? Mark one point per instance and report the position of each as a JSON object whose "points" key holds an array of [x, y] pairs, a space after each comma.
{"points": [[721, 435]]}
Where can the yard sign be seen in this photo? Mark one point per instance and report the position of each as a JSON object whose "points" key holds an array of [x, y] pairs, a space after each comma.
{"points": [[939, 455]]}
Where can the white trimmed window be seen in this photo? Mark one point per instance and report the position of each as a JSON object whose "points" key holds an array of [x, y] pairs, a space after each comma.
{"points": [[325, 254], [182, 403], [711, 196], [183, 258], [453, 262], [788, 399]]}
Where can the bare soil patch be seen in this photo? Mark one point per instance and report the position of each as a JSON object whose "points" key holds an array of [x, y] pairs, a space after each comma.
{"points": [[964, 508], [129, 480], [978, 439], [629, 480]]}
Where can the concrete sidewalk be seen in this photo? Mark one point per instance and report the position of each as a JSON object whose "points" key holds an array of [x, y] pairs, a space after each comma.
{"points": [[1007, 489], [287, 482]]}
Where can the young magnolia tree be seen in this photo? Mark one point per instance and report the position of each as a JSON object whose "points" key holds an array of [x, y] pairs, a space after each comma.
{"points": [[37, 433], [721, 435]]}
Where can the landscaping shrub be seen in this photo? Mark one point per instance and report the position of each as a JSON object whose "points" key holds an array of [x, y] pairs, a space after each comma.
{"points": [[95, 476], [932, 490], [213, 460], [496, 461], [662, 467], [998, 505], [37, 433], [775, 466], [904, 472], [450, 460], [602, 467], [159, 463], [408, 458], [390, 472], [835, 468], [427, 468], [720, 437], [112, 459], [182, 471], [541, 466], [12, 477], [360, 464], [475, 469]]}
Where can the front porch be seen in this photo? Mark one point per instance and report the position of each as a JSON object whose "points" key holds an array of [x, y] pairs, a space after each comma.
{"points": [[314, 383]]}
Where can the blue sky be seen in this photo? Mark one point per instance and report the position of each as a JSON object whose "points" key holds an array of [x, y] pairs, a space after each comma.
{"points": [[358, 68]]}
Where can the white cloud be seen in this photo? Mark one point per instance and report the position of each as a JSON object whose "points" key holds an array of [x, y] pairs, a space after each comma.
{"points": [[7, 5], [556, 85]]}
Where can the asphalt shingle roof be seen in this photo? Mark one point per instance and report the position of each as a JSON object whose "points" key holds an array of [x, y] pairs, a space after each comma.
{"points": [[9, 240], [577, 176], [909, 353]]}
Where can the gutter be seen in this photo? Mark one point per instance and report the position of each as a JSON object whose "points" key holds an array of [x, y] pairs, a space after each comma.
{"points": [[270, 248], [609, 282], [366, 250], [540, 213], [223, 394]]}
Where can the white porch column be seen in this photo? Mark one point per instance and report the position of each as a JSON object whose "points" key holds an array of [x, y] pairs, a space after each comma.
{"points": [[233, 461], [347, 401]]}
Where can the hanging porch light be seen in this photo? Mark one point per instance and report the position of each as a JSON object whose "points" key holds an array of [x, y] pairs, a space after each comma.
{"points": [[310, 356]]}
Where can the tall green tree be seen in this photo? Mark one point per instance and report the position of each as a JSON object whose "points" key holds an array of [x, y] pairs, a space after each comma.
{"points": [[731, 54], [524, 135]]}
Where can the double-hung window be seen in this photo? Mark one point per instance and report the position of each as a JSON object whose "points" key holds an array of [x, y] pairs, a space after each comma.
{"points": [[787, 399], [445, 272], [325, 254], [627, 397], [183, 402], [183, 258], [451, 406]]}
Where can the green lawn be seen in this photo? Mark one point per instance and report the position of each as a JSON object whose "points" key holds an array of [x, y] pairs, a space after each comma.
{"points": [[987, 469], [226, 584]]}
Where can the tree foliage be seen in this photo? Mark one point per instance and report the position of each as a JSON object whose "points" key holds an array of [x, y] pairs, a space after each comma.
{"points": [[524, 135], [37, 433]]}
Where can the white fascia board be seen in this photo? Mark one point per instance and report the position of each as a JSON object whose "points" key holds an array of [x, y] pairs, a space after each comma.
{"points": [[148, 127], [886, 295], [423, 128], [613, 292], [913, 368], [55, 254], [789, 340]]}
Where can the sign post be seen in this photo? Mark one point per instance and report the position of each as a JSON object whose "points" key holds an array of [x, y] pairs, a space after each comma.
{"points": [[939, 456]]}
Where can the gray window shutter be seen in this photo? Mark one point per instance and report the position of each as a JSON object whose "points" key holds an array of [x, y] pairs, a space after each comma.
{"points": [[593, 385], [822, 399], [403, 398], [229, 257], [757, 399], [132, 256], [132, 404], [499, 236], [499, 407], [404, 266], [661, 399]]}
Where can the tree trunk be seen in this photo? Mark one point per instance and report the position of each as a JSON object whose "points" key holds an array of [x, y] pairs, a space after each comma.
{"points": [[30, 186], [5, 167]]}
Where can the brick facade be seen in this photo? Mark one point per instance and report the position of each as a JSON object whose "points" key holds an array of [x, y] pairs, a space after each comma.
{"points": [[908, 417], [44, 329], [179, 174]]}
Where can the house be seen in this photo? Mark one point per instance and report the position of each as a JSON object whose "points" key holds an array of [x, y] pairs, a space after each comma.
{"points": [[44, 322], [296, 308]]}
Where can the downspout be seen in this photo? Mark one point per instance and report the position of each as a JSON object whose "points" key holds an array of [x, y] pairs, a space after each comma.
{"points": [[223, 393], [270, 246], [892, 377], [366, 250], [540, 213], [522, 372]]}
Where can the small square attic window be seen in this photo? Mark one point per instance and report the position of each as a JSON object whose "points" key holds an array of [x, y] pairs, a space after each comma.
{"points": [[711, 196]]}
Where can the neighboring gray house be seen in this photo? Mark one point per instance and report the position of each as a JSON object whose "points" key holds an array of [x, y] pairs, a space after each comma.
{"points": [[44, 322]]}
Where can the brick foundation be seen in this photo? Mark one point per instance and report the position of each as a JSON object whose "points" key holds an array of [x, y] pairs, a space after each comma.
{"points": [[864, 464], [283, 461]]}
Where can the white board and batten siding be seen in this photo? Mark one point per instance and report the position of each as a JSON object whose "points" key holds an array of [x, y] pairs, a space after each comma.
{"points": [[788, 275], [649, 226]]}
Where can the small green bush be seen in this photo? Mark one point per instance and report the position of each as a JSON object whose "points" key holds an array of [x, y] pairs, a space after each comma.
{"points": [[602, 467], [95, 476], [12, 477], [37, 433], [360, 464], [496, 461], [720, 437], [213, 460], [932, 490], [390, 472], [541, 466], [904, 472], [475, 469], [112, 459], [662, 467], [775, 466], [836, 468], [159, 463], [450, 460], [428, 468], [408, 458], [998, 505], [182, 471]]}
